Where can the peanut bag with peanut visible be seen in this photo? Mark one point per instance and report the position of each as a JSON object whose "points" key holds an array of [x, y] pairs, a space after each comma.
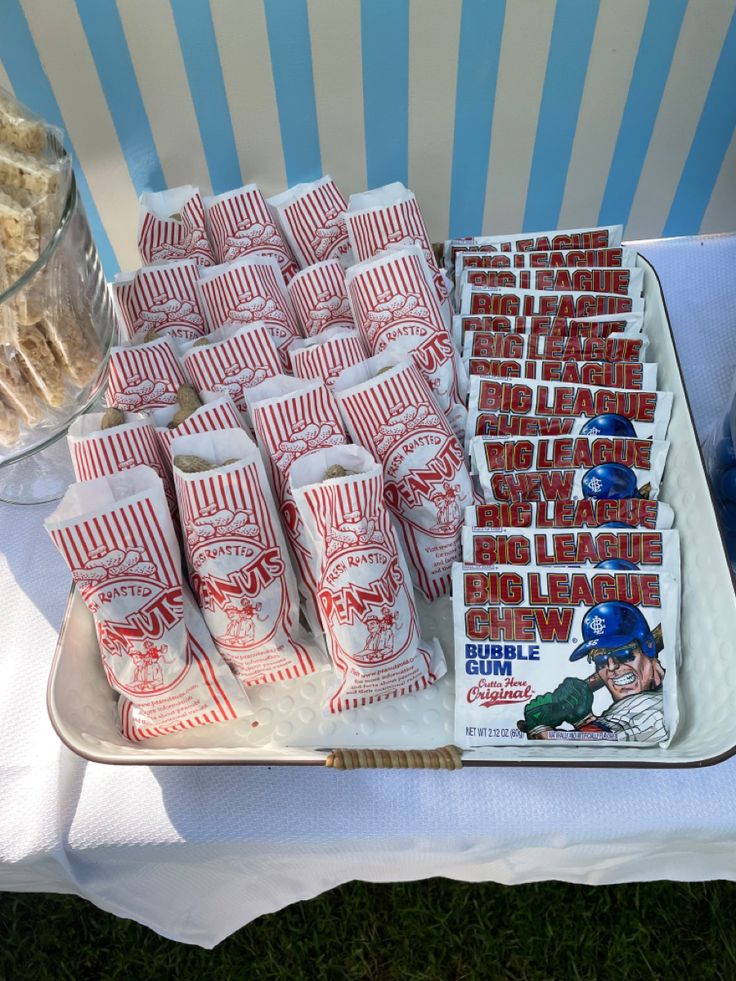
{"points": [[116, 535]]}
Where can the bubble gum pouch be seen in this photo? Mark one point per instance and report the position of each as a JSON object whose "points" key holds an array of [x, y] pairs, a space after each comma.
{"points": [[539, 347], [499, 407], [602, 237], [621, 374], [601, 326], [623, 282], [549, 259], [586, 512], [564, 656], [577, 305], [614, 549], [568, 467]]}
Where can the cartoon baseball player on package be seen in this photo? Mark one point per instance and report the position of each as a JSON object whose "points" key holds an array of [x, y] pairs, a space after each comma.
{"points": [[623, 650]]}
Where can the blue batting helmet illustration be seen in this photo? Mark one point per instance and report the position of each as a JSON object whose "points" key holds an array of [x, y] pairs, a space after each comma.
{"points": [[615, 524], [610, 481], [612, 626], [617, 565], [609, 424]]}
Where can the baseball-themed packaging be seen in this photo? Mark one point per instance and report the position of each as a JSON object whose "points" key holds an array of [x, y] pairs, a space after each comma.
{"points": [[393, 299], [499, 407], [620, 374], [320, 298], [240, 223], [607, 325], [621, 281], [388, 217], [116, 535], [144, 376], [239, 567], [328, 354], [217, 411], [293, 417], [389, 410], [312, 217], [613, 549], [365, 598], [248, 291], [160, 300], [98, 452], [231, 360], [575, 305], [564, 656], [603, 237], [540, 347], [568, 467], [171, 225], [550, 259], [585, 512]]}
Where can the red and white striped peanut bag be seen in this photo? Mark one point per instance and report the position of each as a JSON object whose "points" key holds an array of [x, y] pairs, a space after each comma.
{"points": [[327, 355], [171, 225], [320, 297], [238, 562], [163, 299], [240, 223], [427, 485], [116, 535], [312, 217], [389, 217], [142, 377], [217, 412], [98, 452], [393, 300], [233, 360], [366, 601], [248, 291], [293, 417]]}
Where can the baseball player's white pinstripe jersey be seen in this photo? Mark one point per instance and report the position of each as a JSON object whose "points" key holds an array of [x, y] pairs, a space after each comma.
{"points": [[637, 718]]}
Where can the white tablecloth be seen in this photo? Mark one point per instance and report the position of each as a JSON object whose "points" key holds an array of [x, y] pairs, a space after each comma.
{"points": [[196, 853]]}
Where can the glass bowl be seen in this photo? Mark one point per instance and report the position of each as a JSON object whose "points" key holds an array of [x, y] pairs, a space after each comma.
{"points": [[56, 328]]}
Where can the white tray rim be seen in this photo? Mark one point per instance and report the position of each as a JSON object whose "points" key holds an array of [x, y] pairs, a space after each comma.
{"points": [[307, 757]]}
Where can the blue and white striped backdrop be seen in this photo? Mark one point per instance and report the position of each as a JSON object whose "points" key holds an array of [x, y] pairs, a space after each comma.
{"points": [[500, 114]]}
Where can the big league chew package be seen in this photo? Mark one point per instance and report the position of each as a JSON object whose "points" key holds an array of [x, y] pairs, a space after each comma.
{"points": [[566, 605], [564, 655]]}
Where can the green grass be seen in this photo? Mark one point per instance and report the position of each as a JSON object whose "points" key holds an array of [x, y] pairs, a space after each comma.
{"points": [[422, 931]]}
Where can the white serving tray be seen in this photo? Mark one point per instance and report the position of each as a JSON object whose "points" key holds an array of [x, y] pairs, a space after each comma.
{"points": [[289, 728]]}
